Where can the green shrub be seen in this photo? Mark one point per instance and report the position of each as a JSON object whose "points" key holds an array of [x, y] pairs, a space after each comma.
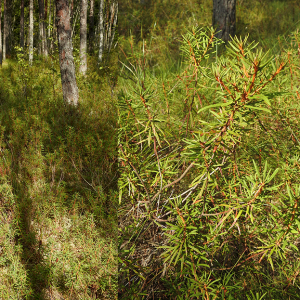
{"points": [[208, 185]]}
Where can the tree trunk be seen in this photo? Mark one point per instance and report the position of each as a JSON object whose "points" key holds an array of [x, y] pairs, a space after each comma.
{"points": [[224, 19], [83, 36], [54, 29], [66, 60], [41, 35], [7, 28], [0, 34], [113, 24], [9, 25], [91, 27], [22, 25], [45, 37], [49, 26], [30, 32], [4, 31], [45, 26], [101, 25], [42, 30]]}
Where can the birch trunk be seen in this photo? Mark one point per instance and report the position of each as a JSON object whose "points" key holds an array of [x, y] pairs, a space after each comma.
{"points": [[7, 28], [110, 19], [42, 30], [4, 31], [224, 18], [114, 24], [66, 60], [22, 25], [30, 32], [101, 27], [45, 36], [49, 25], [91, 27], [83, 37]]}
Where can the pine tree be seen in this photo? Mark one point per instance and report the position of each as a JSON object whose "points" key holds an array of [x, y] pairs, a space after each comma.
{"points": [[66, 60], [224, 18]]}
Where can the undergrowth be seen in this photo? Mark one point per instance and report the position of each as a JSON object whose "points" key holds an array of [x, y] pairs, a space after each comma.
{"points": [[58, 201], [161, 24], [209, 163]]}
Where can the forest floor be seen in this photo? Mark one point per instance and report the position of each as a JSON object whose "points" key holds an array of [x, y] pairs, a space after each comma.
{"points": [[58, 214]]}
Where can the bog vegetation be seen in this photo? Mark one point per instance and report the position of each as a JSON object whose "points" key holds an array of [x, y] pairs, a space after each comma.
{"points": [[209, 155], [58, 184], [206, 181]]}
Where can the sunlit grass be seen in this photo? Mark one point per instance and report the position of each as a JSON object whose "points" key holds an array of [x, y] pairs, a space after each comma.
{"points": [[58, 192]]}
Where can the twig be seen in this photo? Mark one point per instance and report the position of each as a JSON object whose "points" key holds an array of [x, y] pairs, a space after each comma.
{"points": [[174, 182], [136, 172]]}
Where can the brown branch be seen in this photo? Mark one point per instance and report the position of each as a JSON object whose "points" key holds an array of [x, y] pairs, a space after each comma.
{"points": [[174, 182]]}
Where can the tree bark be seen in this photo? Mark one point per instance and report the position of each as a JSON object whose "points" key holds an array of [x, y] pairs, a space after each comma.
{"points": [[22, 25], [54, 29], [101, 26], [41, 34], [49, 26], [113, 25], [4, 31], [224, 18], [42, 30], [83, 37], [7, 28], [66, 60], [0, 34], [45, 26], [91, 27], [30, 32]]}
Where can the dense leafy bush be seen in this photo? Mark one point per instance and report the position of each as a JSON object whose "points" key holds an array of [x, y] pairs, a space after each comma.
{"points": [[209, 161]]}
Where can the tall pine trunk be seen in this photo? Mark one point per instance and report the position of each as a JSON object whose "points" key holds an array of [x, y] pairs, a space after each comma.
{"points": [[83, 37], [22, 25], [66, 60], [224, 19], [30, 31], [91, 27]]}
